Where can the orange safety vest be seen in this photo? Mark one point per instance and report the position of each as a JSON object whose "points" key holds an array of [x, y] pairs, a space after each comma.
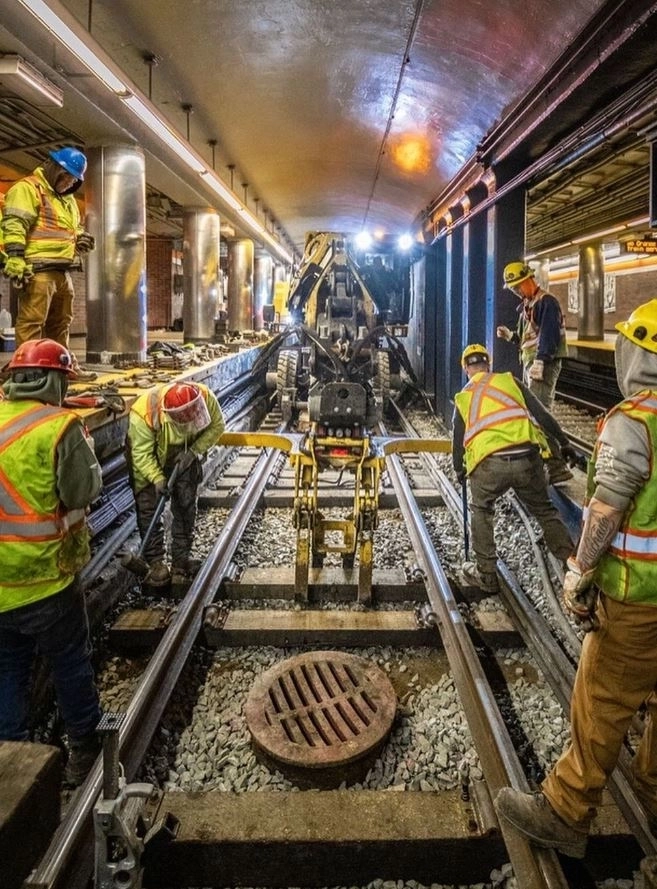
{"points": [[43, 544], [496, 418]]}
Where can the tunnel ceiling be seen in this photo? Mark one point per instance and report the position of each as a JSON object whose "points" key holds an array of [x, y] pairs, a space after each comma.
{"points": [[326, 114]]}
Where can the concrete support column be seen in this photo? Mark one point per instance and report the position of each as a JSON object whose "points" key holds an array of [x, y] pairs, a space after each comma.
{"points": [[240, 285], [263, 286], [115, 193], [200, 273], [590, 291]]}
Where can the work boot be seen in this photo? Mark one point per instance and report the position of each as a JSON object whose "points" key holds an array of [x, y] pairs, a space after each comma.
{"points": [[158, 575], [532, 815], [83, 755], [79, 374], [486, 581]]}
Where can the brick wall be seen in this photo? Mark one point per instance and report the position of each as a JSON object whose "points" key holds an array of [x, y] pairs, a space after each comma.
{"points": [[159, 281]]}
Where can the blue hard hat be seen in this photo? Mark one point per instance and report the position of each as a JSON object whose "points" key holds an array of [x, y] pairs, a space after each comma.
{"points": [[71, 160]]}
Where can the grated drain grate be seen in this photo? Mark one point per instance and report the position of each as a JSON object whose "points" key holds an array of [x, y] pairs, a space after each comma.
{"points": [[321, 709]]}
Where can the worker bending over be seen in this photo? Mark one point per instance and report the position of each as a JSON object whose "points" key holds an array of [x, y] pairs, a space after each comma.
{"points": [[173, 425], [48, 477], [616, 560], [499, 443]]}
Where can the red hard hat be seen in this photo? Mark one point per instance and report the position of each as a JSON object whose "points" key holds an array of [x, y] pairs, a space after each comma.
{"points": [[43, 355], [179, 395]]}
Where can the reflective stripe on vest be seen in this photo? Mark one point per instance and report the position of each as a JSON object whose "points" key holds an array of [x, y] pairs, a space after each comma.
{"points": [[627, 570]]}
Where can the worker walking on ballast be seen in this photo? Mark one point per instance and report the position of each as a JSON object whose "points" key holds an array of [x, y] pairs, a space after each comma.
{"points": [[499, 442], [173, 425], [48, 477]]}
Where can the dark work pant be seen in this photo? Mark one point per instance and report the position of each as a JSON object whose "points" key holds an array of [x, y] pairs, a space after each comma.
{"points": [[183, 512], [489, 480], [57, 628]]}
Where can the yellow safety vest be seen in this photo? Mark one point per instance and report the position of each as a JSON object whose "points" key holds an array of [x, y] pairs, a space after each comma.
{"points": [[43, 545], [496, 418], [52, 236], [628, 569]]}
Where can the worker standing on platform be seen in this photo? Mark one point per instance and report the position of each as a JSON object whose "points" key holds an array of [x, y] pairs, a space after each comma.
{"points": [[48, 477], [173, 425], [499, 442], [614, 575], [541, 338], [42, 234]]}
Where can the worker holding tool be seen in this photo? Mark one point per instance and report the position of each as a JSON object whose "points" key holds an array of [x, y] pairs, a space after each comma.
{"points": [[171, 426], [617, 556], [43, 234], [48, 477], [498, 441]]}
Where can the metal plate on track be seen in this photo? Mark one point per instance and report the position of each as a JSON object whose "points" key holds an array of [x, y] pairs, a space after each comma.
{"points": [[321, 709]]}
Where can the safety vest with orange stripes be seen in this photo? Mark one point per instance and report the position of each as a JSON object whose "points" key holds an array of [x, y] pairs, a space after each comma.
{"points": [[43, 545], [496, 418], [38, 223], [628, 569]]}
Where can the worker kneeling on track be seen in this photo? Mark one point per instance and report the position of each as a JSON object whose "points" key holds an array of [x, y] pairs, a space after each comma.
{"points": [[499, 443], [48, 476], [173, 425], [617, 669]]}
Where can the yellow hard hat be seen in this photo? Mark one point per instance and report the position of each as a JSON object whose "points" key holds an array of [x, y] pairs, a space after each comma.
{"points": [[516, 272], [641, 326], [474, 354]]}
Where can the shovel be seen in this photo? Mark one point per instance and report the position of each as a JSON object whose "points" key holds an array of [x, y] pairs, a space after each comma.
{"points": [[136, 562]]}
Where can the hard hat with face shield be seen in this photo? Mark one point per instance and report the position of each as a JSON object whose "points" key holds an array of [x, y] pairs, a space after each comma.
{"points": [[474, 354], [185, 406], [515, 273]]}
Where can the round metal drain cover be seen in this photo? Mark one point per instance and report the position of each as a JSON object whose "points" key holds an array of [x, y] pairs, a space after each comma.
{"points": [[321, 709]]}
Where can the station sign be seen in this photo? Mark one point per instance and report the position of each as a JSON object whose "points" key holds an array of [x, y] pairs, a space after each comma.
{"points": [[647, 244]]}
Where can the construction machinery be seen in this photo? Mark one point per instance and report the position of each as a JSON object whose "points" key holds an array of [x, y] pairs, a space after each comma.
{"points": [[348, 310]]}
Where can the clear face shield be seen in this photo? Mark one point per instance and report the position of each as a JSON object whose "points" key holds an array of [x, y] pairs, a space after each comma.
{"points": [[190, 418]]}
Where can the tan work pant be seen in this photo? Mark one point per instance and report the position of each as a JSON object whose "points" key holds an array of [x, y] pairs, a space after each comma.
{"points": [[617, 671], [45, 308]]}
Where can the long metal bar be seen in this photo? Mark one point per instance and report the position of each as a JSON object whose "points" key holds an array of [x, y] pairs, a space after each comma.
{"points": [[153, 692], [533, 868]]}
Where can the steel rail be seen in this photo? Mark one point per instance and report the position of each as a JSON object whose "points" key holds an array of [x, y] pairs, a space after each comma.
{"points": [[534, 868], [57, 869]]}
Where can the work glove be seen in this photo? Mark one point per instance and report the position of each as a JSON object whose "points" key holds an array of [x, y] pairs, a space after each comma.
{"points": [[503, 333], [161, 487], [85, 242], [536, 370], [17, 270], [570, 455], [578, 598], [185, 460], [460, 477]]}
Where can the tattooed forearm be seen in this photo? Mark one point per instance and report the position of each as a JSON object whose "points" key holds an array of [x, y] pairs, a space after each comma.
{"points": [[601, 524]]}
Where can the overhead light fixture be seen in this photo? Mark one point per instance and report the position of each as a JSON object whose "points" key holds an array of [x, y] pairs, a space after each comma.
{"points": [[101, 66], [21, 78]]}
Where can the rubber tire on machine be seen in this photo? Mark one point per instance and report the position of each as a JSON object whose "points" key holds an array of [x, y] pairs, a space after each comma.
{"points": [[381, 377], [286, 372]]}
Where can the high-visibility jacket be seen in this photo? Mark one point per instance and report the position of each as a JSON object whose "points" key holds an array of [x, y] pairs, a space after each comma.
{"points": [[42, 543], [40, 224], [496, 418], [628, 569], [154, 441]]}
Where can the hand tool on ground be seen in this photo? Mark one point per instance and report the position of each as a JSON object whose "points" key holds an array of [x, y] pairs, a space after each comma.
{"points": [[136, 562], [110, 400]]}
